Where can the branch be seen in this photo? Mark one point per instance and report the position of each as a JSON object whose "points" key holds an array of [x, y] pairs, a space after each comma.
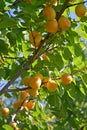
{"points": [[75, 4], [62, 10], [12, 117], [18, 89], [24, 68]]}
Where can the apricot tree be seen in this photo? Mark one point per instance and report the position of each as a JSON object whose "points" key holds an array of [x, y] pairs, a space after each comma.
{"points": [[43, 64]]}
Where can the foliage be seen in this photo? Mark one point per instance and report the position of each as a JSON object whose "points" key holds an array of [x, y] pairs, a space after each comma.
{"points": [[64, 109]]}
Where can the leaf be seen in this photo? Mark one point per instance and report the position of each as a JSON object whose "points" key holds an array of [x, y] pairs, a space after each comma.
{"points": [[6, 21], [7, 127], [12, 38], [25, 49], [81, 32], [84, 78], [82, 90], [67, 54], [77, 49], [2, 73], [3, 47], [34, 128]]}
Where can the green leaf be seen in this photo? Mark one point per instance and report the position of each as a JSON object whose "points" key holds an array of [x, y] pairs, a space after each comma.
{"points": [[67, 54], [25, 49], [6, 21], [3, 47], [77, 49], [2, 73], [84, 78], [12, 38], [7, 127]]}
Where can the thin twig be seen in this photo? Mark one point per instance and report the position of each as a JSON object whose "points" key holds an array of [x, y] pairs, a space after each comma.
{"points": [[18, 89], [12, 117], [70, 5]]}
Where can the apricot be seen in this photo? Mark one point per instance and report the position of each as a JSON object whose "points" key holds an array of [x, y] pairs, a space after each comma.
{"points": [[13, 124], [80, 10], [66, 79], [30, 105], [5, 111], [33, 92], [52, 26], [26, 80], [64, 23], [49, 13], [52, 85], [38, 75], [23, 95], [32, 36], [45, 81], [38, 38], [35, 83], [35, 38]]}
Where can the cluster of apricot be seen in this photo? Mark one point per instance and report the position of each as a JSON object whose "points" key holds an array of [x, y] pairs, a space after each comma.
{"points": [[34, 83], [37, 81], [52, 25], [23, 102], [35, 38]]}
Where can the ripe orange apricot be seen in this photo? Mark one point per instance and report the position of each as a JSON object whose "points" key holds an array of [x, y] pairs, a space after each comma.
{"points": [[52, 26], [64, 23], [26, 80], [52, 85], [30, 105], [49, 13], [38, 38], [13, 124], [45, 81], [35, 83], [23, 95], [33, 92], [5, 111], [38, 75], [35, 38], [66, 79], [80, 10], [32, 36]]}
